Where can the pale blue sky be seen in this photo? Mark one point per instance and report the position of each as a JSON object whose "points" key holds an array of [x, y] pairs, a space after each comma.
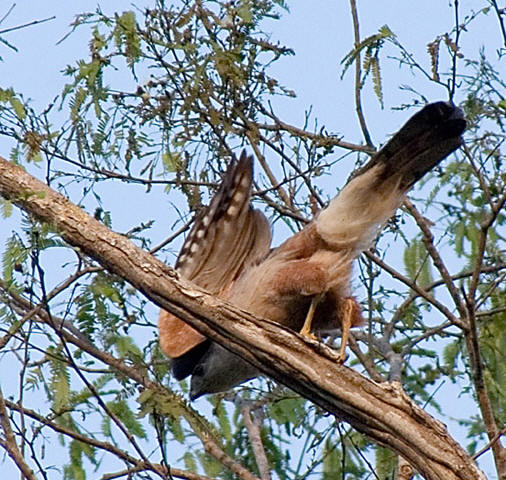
{"points": [[319, 31]]}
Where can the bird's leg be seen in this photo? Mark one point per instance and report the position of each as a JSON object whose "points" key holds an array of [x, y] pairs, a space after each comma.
{"points": [[348, 313], [302, 278], [306, 328]]}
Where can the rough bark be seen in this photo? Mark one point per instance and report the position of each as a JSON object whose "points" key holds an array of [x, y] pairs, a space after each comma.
{"points": [[381, 411]]}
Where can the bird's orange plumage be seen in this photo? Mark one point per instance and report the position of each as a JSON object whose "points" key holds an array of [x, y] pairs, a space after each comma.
{"points": [[227, 251]]}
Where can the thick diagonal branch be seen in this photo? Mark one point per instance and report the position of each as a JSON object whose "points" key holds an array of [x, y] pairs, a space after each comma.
{"points": [[381, 411]]}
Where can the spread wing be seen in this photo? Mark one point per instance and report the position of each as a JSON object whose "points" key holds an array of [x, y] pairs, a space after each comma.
{"points": [[226, 238], [318, 259], [354, 218]]}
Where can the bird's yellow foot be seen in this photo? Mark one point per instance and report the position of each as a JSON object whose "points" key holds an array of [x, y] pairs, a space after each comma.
{"points": [[306, 328], [342, 356], [348, 312]]}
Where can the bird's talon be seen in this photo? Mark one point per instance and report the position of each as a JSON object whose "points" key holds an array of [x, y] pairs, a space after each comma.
{"points": [[306, 328], [341, 358], [308, 334]]}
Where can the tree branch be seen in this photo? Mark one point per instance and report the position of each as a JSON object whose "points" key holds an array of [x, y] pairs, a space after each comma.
{"points": [[137, 465], [10, 445], [381, 411], [358, 75], [67, 332], [252, 424]]}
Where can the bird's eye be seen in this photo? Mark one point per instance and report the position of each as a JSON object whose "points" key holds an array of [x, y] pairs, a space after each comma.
{"points": [[199, 370]]}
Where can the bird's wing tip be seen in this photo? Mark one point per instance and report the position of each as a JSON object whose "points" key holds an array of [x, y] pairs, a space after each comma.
{"points": [[176, 337]]}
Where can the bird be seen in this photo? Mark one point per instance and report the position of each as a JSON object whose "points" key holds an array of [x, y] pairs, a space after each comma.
{"points": [[305, 283]]}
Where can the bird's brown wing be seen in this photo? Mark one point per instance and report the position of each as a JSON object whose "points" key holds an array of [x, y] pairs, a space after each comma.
{"points": [[318, 260], [226, 238]]}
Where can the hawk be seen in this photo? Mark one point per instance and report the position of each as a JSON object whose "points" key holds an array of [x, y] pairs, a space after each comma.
{"points": [[305, 283]]}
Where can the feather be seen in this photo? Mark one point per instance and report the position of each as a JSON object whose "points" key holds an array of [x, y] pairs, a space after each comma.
{"points": [[355, 217], [227, 250], [207, 258]]}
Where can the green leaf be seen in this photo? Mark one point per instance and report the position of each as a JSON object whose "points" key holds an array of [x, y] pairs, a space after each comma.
{"points": [[75, 469], [60, 379], [288, 410], [386, 462], [9, 96], [451, 353], [15, 255], [173, 406], [121, 409], [385, 32], [76, 103], [416, 261], [126, 35], [373, 42], [244, 11], [221, 414], [376, 75], [211, 466], [493, 346], [332, 462], [103, 286], [18, 107], [189, 461], [171, 161], [127, 348], [459, 230]]}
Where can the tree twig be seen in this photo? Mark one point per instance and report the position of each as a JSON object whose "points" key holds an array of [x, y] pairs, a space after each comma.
{"points": [[252, 424], [358, 76], [25, 25], [9, 442]]}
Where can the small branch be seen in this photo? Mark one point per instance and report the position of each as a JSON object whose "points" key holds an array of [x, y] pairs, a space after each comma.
{"points": [[497, 436], [139, 377], [500, 14], [27, 316], [358, 76], [455, 50], [429, 332], [428, 240], [274, 182], [109, 174], [11, 8], [169, 239], [416, 288], [168, 473], [35, 310], [137, 465], [9, 442], [405, 304], [292, 164], [489, 313], [284, 211], [235, 467], [365, 360], [320, 140], [467, 311], [253, 424], [479, 176], [25, 25], [473, 345], [485, 295]]}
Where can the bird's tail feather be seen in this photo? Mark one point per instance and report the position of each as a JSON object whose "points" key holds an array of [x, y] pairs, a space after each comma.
{"points": [[355, 216], [425, 139]]}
